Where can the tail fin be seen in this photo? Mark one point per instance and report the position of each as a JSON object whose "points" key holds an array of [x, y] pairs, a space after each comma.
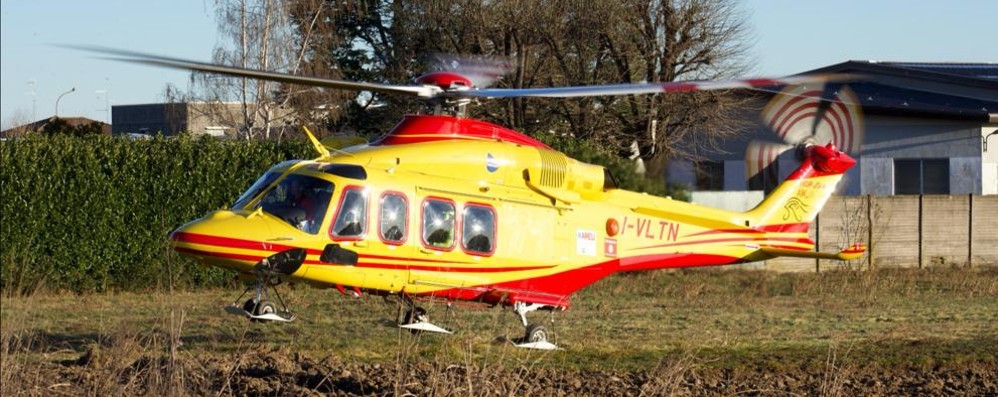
{"points": [[796, 202]]}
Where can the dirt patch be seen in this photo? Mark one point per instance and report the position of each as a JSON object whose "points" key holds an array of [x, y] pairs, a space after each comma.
{"points": [[282, 373]]}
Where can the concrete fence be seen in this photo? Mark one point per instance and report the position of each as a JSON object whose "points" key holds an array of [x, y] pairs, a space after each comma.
{"points": [[902, 231]]}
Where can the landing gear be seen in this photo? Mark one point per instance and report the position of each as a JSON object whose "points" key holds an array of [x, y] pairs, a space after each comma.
{"points": [[536, 335], [268, 274], [414, 318], [259, 308]]}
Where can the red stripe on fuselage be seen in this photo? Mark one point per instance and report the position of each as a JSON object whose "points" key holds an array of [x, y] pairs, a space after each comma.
{"points": [[228, 242], [554, 288], [733, 239], [781, 228], [450, 269]]}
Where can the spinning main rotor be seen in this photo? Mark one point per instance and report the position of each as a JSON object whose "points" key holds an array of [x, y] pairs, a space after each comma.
{"points": [[456, 88]]}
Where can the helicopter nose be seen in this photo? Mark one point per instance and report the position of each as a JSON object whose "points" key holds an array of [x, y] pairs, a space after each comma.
{"points": [[225, 239]]}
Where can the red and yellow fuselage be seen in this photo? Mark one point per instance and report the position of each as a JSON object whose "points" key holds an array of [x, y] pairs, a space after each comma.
{"points": [[550, 225]]}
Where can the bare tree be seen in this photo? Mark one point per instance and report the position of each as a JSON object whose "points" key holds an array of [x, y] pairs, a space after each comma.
{"points": [[558, 43], [257, 34]]}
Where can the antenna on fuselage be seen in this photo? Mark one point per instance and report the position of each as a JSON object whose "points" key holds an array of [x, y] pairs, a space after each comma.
{"points": [[319, 147]]}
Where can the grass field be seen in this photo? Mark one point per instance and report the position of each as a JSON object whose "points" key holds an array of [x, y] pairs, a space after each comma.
{"points": [[680, 325]]}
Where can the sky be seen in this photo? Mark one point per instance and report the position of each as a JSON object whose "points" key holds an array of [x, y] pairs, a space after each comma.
{"points": [[787, 37]]}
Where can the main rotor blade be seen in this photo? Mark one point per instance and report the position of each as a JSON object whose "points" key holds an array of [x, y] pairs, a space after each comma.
{"points": [[175, 63], [638, 89]]}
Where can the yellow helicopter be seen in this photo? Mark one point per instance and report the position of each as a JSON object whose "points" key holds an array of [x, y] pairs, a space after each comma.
{"points": [[458, 209]]}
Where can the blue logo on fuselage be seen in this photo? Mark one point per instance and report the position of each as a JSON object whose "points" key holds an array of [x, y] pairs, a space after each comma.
{"points": [[490, 163]]}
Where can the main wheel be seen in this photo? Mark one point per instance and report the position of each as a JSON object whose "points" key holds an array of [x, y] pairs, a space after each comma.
{"points": [[264, 307], [249, 306], [535, 333], [415, 315]]}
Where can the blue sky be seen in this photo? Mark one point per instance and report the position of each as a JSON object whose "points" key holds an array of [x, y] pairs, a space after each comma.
{"points": [[788, 37]]}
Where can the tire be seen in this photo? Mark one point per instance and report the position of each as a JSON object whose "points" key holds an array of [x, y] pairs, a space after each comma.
{"points": [[535, 333], [249, 306], [264, 307], [415, 315]]}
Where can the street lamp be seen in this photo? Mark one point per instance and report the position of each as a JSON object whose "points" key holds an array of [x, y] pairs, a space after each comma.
{"points": [[60, 98]]}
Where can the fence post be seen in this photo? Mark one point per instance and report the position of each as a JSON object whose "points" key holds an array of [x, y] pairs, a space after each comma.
{"points": [[921, 228], [869, 231], [817, 242], [970, 230]]}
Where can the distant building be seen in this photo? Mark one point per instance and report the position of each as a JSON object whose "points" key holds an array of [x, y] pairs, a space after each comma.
{"points": [[931, 128], [215, 119], [40, 125]]}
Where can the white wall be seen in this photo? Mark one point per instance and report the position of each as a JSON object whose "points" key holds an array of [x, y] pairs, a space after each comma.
{"points": [[989, 161]]}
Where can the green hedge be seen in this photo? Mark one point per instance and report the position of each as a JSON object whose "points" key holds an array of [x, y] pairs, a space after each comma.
{"points": [[93, 213]]}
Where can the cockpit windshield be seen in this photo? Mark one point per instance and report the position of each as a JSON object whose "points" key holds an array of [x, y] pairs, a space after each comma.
{"points": [[262, 183], [299, 200]]}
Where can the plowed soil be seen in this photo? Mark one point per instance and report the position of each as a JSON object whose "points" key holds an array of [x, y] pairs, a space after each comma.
{"points": [[290, 374]]}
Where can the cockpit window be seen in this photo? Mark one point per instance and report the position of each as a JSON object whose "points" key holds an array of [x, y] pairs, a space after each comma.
{"points": [[262, 183], [299, 200], [351, 218]]}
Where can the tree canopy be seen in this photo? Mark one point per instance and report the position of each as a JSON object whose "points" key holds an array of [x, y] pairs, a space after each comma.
{"points": [[542, 42]]}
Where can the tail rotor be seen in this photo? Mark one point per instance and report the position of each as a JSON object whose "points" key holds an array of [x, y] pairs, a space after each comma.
{"points": [[802, 116]]}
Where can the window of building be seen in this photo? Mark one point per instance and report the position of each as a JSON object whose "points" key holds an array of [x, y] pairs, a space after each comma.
{"points": [[710, 175], [393, 222], [478, 229], [351, 217], [438, 224], [921, 176]]}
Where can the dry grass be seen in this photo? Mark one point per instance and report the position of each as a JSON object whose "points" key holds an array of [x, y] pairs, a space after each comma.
{"points": [[674, 327]]}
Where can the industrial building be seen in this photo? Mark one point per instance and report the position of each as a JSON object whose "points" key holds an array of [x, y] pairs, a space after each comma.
{"points": [[930, 128]]}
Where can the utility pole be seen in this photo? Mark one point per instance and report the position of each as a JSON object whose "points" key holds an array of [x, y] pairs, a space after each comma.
{"points": [[107, 104], [34, 97]]}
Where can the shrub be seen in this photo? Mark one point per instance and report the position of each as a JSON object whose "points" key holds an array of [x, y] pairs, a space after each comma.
{"points": [[93, 212]]}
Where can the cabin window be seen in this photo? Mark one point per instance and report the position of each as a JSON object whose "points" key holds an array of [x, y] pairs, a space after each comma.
{"points": [[478, 229], [351, 218], [393, 222], [438, 224]]}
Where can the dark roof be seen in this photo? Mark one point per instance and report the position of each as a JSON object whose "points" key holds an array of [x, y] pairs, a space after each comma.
{"points": [[40, 125], [966, 91], [985, 71]]}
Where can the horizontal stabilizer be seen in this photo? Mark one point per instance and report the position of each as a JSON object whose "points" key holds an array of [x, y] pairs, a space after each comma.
{"points": [[854, 251]]}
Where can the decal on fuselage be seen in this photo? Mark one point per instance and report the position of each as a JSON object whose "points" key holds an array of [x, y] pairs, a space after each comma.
{"points": [[585, 242], [651, 229], [610, 248], [491, 164]]}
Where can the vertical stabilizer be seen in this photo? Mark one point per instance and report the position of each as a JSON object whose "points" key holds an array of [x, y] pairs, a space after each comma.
{"points": [[796, 202]]}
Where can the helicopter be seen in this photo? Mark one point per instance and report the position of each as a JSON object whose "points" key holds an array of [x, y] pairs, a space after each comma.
{"points": [[451, 208]]}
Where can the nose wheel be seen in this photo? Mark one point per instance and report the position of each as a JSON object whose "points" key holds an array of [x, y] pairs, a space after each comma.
{"points": [[259, 307]]}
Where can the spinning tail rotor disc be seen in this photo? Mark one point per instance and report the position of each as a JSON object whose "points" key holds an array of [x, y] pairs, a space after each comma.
{"points": [[804, 115]]}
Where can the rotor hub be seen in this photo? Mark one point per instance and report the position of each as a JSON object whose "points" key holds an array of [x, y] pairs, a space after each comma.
{"points": [[447, 81]]}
